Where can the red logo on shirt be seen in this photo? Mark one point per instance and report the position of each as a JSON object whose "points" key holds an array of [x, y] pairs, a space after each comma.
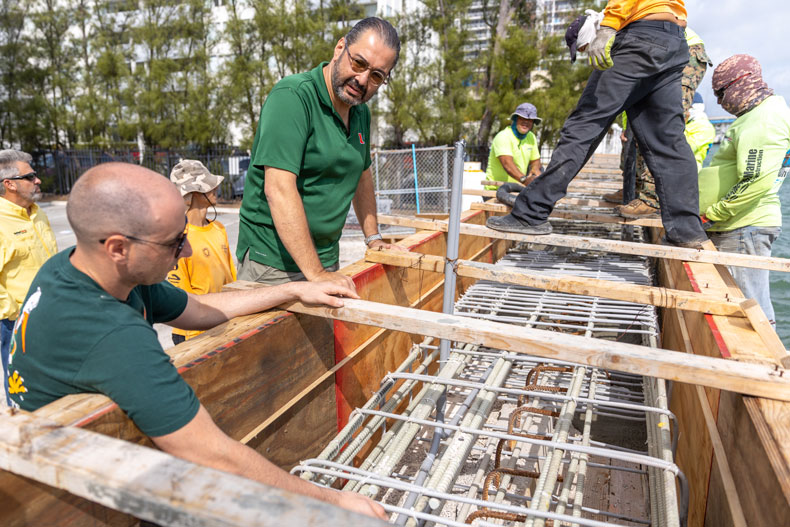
{"points": [[361, 141]]}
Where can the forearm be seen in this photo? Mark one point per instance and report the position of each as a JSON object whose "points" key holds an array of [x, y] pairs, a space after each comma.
{"points": [[364, 202], [534, 168], [510, 167], [290, 221], [210, 310]]}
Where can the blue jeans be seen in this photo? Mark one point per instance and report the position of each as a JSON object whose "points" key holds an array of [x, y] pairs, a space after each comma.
{"points": [[750, 240], [6, 334]]}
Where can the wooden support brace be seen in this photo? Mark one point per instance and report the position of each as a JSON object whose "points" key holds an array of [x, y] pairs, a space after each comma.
{"points": [[751, 379], [577, 285], [577, 215], [765, 329], [598, 244], [150, 484]]}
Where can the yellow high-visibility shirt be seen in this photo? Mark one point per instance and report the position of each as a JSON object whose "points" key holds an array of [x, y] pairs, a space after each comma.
{"points": [[700, 134], [620, 13], [26, 242], [208, 269]]}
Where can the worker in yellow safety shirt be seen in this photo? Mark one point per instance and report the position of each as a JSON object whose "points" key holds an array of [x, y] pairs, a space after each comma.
{"points": [[26, 242], [211, 265]]}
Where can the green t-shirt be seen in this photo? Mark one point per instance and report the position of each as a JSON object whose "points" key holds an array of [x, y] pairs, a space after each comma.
{"points": [[300, 131], [74, 337], [739, 188], [507, 144]]}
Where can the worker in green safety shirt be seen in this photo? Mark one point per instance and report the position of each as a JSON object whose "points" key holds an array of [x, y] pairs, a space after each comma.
{"points": [[514, 155], [311, 161], [738, 193]]}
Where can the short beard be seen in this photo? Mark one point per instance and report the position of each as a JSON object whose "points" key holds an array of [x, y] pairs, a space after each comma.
{"points": [[337, 87]]}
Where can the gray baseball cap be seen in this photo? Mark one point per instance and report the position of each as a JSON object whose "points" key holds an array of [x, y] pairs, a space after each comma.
{"points": [[192, 176], [527, 111]]}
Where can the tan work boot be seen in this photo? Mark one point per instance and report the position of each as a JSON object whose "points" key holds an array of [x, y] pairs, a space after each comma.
{"points": [[636, 209], [614, 197]]}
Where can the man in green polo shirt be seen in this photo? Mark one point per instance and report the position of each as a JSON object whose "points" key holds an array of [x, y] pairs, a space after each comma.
{"points": [[86, 324], [311, 161], [514, 155]]}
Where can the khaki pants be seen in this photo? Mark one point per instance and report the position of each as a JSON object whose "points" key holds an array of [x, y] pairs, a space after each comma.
{"points": [[266, 274]]}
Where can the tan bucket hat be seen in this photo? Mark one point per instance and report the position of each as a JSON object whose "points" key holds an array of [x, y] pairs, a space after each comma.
{"points": [[192, 176]]}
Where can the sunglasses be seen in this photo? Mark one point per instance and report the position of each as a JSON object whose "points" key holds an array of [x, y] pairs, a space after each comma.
{"points": [[719, 93], [360, 65], [177, 244], [30, 177]]}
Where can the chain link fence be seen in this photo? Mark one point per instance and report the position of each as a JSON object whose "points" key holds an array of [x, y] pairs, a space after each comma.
{"points": [[59, 169]]}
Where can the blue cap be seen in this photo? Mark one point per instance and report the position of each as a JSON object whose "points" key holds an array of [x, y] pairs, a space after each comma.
{"points": [[697, 98]]}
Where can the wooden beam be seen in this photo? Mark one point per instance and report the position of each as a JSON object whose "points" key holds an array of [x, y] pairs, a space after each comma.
{"points": [[150, 484], [598, 244], [577, 285], [602, 184], [576, 215], [751, 379], [766, 330]]}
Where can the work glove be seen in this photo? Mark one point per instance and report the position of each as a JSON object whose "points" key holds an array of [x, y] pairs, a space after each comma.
{"points": [[600, 50], [706, 223]]}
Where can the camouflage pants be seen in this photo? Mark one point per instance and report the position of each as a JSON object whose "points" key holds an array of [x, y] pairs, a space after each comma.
{"points": [[692, 76]]}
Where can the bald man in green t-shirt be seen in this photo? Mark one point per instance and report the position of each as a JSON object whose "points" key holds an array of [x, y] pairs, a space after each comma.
{"points": [[311, 161]]}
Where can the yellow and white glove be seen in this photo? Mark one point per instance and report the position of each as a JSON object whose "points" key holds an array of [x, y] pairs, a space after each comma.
{"points": [[600, 50]]}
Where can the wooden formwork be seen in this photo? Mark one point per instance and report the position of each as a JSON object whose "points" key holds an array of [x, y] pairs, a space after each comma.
{"points": [[244, 371]]}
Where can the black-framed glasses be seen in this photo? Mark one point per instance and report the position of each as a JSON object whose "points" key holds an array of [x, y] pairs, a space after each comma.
{"points": [[177, 244], [31, 176], [720, 92], [360, 65]]}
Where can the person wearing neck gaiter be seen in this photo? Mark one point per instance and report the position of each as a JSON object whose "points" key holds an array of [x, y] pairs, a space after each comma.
{"points": [[739, 202], [514, 154]]}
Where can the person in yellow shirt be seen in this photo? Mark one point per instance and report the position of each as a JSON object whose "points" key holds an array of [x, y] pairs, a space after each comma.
{"points": [[26, 241], [211, 265], [514, 155]]}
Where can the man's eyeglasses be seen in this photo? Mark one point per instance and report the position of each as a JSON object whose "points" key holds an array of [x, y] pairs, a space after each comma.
{"points": [[30, 177], [360, 65], [177, 244], [720, 92]]}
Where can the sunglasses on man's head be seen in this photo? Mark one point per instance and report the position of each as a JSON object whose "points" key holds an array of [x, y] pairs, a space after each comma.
{"points": [[30, 177]]}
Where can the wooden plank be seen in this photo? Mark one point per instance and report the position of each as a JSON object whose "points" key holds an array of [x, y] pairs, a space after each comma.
{"points": [[766, 330], [751, 379], [150, 484], [602, 184], [575, 215], [655, 296], [599, 244]]}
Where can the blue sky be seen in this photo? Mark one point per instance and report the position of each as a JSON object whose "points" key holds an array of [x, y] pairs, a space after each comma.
{"points": [[756, 27]]}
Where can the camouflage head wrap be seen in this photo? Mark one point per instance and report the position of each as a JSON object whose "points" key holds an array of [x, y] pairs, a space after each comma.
{"points": [[192, 176], [738, 84]]}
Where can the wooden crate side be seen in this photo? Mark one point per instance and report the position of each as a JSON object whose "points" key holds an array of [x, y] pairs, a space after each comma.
{"points": [[242, 372], [755, 432]]}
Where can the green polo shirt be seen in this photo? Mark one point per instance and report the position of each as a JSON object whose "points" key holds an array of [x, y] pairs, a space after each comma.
{"points": [[505, 143], [300, 131]]}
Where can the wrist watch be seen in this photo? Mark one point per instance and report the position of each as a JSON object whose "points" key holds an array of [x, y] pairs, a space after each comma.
{"points": [[373, 237]]}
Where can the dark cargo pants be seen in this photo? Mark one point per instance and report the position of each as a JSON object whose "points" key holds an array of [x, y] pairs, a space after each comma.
{"points": [[649, 57]]}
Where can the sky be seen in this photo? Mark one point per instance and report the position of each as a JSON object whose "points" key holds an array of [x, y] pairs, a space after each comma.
{"points": [[755, 27]]}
